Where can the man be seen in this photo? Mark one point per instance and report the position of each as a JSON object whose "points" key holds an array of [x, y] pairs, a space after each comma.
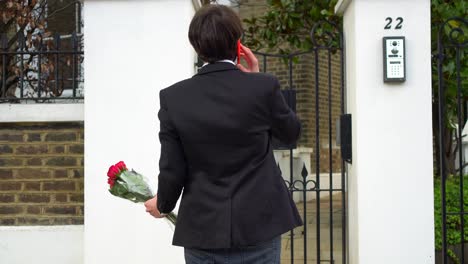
{"points": [[216, 130]]}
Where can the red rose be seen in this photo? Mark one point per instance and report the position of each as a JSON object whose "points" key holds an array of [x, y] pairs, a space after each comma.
{"points": [[111, 182], [113, 171], [121, 166]]}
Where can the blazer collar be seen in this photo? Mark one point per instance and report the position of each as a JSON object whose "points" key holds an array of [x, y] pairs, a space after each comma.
{"points": [[217, 66]]}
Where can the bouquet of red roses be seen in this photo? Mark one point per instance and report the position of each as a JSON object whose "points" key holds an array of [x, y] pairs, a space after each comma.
{"points": [[131, 185]]}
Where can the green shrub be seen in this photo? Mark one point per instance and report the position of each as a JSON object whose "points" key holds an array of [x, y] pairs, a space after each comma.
{"points": [[454, 224]]}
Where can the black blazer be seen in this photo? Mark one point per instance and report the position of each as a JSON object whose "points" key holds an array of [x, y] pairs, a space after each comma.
{"points": [[215, 134]]}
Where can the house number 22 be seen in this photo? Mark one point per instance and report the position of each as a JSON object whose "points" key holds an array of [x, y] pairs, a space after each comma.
{"points": [[389, 23]]}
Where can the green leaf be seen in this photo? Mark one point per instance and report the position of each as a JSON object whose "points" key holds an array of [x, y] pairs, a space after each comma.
{"points": [[132, 186], [454, 23], [290, 23], [295, 15]]}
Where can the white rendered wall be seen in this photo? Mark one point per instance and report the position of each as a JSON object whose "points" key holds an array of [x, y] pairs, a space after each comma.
{"points": [[41, 112], [41, 244], [133, 49], [390, 179]]}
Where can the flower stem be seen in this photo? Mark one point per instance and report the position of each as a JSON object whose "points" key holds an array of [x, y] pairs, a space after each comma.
{"points": [[172, 218]]}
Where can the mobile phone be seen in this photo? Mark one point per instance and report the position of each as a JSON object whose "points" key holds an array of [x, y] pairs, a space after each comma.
{"points": [[238, 51]]}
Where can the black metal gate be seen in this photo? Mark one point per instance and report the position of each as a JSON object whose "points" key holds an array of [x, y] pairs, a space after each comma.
{"points": [[452, 98], [313, 85]]}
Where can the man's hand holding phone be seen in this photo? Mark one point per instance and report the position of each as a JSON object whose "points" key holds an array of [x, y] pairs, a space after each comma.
{"points": [[249, 57]]}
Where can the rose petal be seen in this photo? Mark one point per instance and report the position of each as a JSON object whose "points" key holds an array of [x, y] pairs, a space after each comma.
{"points": [[121, 166]]}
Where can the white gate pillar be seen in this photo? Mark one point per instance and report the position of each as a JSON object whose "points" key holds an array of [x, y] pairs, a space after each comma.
{"points": [[391, 213], [133, 49]]}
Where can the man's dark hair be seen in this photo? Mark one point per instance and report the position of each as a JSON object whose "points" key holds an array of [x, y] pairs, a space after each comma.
{"points": [[214, 32]]}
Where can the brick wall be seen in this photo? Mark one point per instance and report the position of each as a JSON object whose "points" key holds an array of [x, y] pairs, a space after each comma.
{"points": [[304, 81], [41, 173]]}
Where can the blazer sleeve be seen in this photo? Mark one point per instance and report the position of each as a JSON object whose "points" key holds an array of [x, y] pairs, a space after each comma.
{"points": [[285, 126], [172, 163]]}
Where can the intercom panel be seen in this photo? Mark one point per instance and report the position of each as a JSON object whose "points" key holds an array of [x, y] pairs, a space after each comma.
{"points": [[394, 59]]}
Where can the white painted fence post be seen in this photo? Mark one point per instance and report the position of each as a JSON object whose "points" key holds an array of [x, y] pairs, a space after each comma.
{"points": [[133, 48], [390, 179]]}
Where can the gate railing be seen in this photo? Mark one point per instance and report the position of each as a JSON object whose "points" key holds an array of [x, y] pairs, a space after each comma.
{"points": [[328, 43], [41, 68], [452, 41]]}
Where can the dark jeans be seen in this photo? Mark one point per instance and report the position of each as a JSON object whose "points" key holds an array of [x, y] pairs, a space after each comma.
{"points": [[264, 253]]}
